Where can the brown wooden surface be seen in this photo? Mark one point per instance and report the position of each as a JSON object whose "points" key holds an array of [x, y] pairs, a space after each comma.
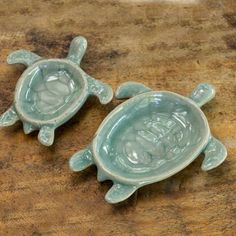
{"points": [[168, 46]]}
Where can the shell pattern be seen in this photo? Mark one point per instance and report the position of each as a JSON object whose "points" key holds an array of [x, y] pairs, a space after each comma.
{"points": [[50, 91], [152, 141]]}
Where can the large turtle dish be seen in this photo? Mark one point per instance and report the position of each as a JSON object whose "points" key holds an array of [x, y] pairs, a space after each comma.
{"points": [[51, 91], [150, 137]]}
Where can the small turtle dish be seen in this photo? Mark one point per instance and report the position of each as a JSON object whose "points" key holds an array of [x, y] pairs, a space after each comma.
{"points": [[149, 138], [51, 91]]}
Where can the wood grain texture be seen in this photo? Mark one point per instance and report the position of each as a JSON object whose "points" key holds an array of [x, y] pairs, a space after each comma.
{"points": [[167, 46]]}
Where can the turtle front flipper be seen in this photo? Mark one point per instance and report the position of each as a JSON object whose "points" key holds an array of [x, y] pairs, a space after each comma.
{"points": [[215, 154], [77, 49], [202, 94], [102, 91], [81, 160], [119, 192], [131, 89], [9, 117], [22, 57], [46, 135]]}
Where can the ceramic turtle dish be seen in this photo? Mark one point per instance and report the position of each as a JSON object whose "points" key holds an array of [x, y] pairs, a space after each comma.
{"points": [[51, 91], [150, 137]]}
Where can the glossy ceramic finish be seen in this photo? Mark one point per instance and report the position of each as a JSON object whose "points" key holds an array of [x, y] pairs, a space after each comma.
{"points": [[51, 91], [150, 137]]}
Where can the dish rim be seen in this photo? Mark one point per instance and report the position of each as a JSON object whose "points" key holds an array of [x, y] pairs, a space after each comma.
{"points": [[65, 115]]}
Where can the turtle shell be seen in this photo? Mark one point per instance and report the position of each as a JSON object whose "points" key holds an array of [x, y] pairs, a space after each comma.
{"points": [[150, 137], [48, 89]]}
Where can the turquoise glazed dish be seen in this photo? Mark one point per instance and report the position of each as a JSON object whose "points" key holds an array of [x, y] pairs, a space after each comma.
{"points": [[51, 91], [150, 137]]}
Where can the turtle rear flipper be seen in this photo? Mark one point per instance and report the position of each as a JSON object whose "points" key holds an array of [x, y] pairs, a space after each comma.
{"points": [[119, 192], [130, 89], [215, 154], [9, 117], [24, 57], [81, 160], [46, 135]]}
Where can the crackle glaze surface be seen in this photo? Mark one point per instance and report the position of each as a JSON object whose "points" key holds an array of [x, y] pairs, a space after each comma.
{"points": [[150, 137], [49, 88], [152, 134], [51, 91]]}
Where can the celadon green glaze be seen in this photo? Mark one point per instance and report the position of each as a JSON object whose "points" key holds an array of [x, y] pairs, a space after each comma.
{"points": [[150, 137], [51, 91]]}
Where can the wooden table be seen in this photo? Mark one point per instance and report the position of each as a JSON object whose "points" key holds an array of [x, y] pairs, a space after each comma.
{"points": [[167, 46]]}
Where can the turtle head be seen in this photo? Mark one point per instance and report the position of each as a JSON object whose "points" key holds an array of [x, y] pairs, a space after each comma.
{"points": [[77, 49]]}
